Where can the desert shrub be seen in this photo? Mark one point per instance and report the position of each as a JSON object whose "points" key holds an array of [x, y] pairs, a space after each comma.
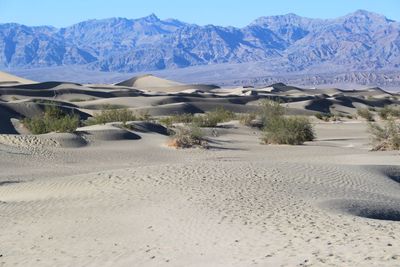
{"points": [[205, 121], [280, 129], [337, 116], [81, 99], [188, 136], [144, 116], [288, 130], [178, 118], [112, 106], [221, 114], [386, 137], [247, 119], [365, 113], [53, 119], [44, 101], [183, 118], [387, 112], [166, 121], [324, 116], [112, 115], [212, 118], [209, 119], [269, 110]]}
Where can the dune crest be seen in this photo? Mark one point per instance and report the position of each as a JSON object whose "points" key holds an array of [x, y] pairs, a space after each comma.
{"points": [[9, 79]]}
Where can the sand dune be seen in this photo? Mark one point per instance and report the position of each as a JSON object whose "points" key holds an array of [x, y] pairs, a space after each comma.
{"points": [[116, 195], [128, 202], [146, 81], [9, 79], [152, 83]]}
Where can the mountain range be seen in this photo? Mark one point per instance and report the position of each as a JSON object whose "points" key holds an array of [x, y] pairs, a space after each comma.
{"points": [[360, 41]]}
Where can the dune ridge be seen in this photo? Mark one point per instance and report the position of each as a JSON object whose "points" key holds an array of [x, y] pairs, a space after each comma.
{"points": [[115, 194], [159, 97]]}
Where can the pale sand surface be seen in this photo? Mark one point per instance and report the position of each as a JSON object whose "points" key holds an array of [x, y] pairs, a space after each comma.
{"points": [[9, 79], [112, 202], [108, 196]]}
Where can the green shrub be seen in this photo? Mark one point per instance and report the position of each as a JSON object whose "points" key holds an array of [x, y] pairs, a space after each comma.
{"points": [[212, 118], [386, 137], [52, 120], [279, 129], [112, 106], [324, 116], [188, 136], [144, 116], [209, 119], [221, 114], [112, 115], [179, 118], [387, 111], [365, 113], [166, 121], [81, 99], [288, 130], [247, 119], [270, 109]]}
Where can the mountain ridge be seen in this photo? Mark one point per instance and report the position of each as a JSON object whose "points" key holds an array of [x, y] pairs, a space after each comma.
{"points": [[359, 41]]}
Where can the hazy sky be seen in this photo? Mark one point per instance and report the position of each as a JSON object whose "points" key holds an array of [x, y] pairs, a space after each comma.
{"points": [[221, 12]]}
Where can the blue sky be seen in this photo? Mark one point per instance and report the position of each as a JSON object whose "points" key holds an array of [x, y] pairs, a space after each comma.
{"points": [[220, 12]]}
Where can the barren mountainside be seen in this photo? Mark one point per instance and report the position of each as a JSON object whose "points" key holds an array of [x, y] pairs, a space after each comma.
{"points": [[361, 41]]}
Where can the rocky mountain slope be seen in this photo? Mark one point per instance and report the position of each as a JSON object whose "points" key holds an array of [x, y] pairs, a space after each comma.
{"points": [[361, 41]]}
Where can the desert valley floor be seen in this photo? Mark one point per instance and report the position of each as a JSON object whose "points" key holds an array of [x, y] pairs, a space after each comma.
{"points": [[113, 197]]}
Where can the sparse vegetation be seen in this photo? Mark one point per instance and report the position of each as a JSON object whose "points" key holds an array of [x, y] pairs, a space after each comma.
{"points": [[117, 115], [279, 129], [333, 116], [179, 118], [288, 130], [270, 110], [44, 101], [81, 99], [111, 106], [389, 112], [112, 115], [386, 137], [209, 119], [365, 113], [188, 136], [53, 119], [324, 116], [212, 118], [247, 119]]}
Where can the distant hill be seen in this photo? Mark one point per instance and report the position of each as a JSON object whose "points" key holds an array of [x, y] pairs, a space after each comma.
{"points": [[360, 41]]}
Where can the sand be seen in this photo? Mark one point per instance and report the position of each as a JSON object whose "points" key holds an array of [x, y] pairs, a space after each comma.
{"points": [[9, 79], [138, 203], [106, 196]]}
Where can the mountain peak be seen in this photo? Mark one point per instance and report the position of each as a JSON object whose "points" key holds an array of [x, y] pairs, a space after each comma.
{"points": [[290, 18], [151, 18], [365, 14]]}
